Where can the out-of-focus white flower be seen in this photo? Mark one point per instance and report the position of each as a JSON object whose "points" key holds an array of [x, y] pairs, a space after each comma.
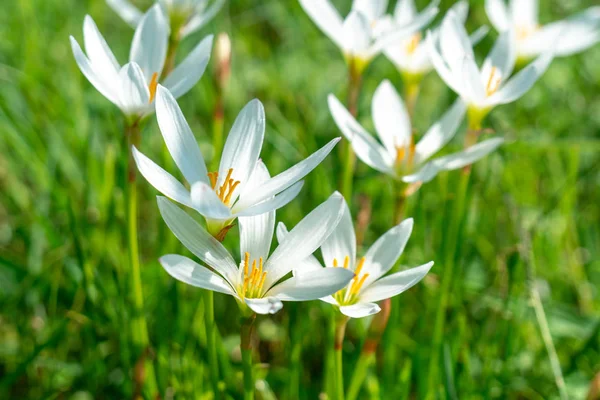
{"points": [[132, 87], [235, 190], [410, 55], [257, 282], [452, 56], [358, 299], [186, 16], [366, 30], [397, 155], [565, 37]]}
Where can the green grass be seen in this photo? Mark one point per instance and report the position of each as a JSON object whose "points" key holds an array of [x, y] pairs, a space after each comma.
{"points": [[65, 304]]}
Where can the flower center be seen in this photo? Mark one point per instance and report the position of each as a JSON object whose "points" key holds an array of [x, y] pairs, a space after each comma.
{"points": [[225, 191], [412, 43], [254, 279], [152, 87], [349, 294], [493, 82], [524, 31], [405, 155]]}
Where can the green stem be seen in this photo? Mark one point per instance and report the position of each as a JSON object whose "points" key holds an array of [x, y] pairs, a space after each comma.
{"points": [[400, 202], [209, 315], [246, 347], [295, 353], [138, 324], [340, 330], [412, 87], [365, 360]]}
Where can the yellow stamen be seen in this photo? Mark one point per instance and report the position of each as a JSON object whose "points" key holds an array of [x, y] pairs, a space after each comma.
{"points": [[361, 262], [523, 32], [253, 279], [406, 154], [493, 82], [356, 286], [225, 191], [346, 262], [335, 263], [153, 85], [246, 262], [413, 42], [213, 176], [244, 288]]}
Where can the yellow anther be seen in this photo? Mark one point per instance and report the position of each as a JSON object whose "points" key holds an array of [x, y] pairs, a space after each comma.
{"points": [[359, 266], [213, 176], [356, 286], [335, 263], [346, 262], [493, 82], [225, 191], [152, 86], [253, 279], [413, 42], [406, 154], [246, 262]]}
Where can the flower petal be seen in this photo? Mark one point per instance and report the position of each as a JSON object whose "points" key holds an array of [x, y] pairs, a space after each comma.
{"points": [[326, 17], [179, 138], [360, 310], [365, 146], [384, 253], [134, 96], [161, 179], [454, 42], [127, 11], [441, 132], [404, 11], [266, 305], [311, 285], [524, 12], [395, 284], [502, 56], [207, 203], [274, 203], [283, 180], [342, 241], [497, 12], [310, 263], [304, 239], [372, 9], [190, 70], [188, 271], [390, 117], [100, 55], [474, 91], [243, 146], [150, 41], [200, 19], [356, 37], [195, 238], [443, 69]]}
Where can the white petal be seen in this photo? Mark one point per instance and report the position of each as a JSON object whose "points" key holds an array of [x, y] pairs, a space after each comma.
{"points": [[342, 241], [454, 161], [384, 253], [497, 12], [478, 35], [404, 12], [200, 19], [441, 132], [179, 138], [390, 117], [101, 57], [267, 305], [207, 203], [326, 17], [443, 70], [360, 310], [192, 273], [310, 263], [461, 10], [274, 203], [134, 96], [372, 9], [518, 85], [312, 285], [195, 238], [524, 12], [474, 91], [150, 41], [454, 42], [502, 56], [283, 180], [161, 179], [329, 300], [107, 89], [190, 70], [243, 145], [395, 284], [127, 11], [364, 145], [304, 239], [256, 232], [356, 33]]}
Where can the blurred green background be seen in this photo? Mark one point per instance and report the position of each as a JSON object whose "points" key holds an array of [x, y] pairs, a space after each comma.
{"points": [[64, 291]]}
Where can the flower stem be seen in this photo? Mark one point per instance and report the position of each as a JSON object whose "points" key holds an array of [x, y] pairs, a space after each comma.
{"points": [[209, 315], [354, 84], [401, 198], [412, 87], [139, 326], [246, 347], [340, 330]]}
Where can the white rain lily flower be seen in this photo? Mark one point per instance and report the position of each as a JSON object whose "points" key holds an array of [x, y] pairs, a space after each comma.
{"points": [[410, 55], [233, 191], [397, 155], [565, 37], [132, 87], [260, 280], [366, 30], [369, 285], [452, 56], [186, 16]]}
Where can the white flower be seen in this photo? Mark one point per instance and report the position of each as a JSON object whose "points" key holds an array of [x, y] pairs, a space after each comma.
{"points": [[235, 190], [186, 16], [132, 87], [452, 56], [366, 30], [369, 285], [259, 281], [566, 37], [410, 55], [398, 156]]}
